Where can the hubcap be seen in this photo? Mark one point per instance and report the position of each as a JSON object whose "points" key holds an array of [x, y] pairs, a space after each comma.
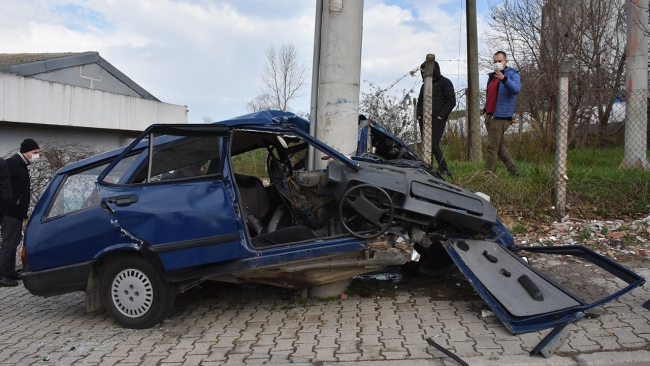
{"points": [[132, 293]]}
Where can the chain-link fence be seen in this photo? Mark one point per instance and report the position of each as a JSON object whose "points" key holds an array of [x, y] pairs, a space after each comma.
{"points": [[534, 132], [555, 122]]}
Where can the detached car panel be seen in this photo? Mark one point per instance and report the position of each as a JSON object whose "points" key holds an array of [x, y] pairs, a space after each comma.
{"points": [[178, 206], [523, 298]]}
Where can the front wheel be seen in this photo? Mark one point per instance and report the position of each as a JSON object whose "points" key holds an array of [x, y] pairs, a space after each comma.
{"points": [[135, 294]]}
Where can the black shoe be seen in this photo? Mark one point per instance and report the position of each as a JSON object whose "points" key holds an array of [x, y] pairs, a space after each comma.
{"points": [[16, 276], [514, 175], [7, 282], [447, 171]]}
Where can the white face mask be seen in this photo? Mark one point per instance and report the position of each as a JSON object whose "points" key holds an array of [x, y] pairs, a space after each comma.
{"points": [[34, 157], [498, 66]]}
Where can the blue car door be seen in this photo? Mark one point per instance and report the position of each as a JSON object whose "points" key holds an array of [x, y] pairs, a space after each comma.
{"points": [[176, 199]]}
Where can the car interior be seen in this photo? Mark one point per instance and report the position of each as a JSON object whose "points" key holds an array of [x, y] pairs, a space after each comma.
{"points": [[288, 203]]}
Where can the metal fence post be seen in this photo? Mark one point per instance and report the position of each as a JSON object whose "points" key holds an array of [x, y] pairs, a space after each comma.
{"points": [[561, 138], [416, 132], [427, 109]]}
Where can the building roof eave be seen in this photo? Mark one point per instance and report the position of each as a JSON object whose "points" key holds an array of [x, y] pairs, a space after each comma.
{"points": [[27, 69]]}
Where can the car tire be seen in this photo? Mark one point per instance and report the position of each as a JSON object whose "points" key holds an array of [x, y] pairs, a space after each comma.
{"points": [[135, 294]]}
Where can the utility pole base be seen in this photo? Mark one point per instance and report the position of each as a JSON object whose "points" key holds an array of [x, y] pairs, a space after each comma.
{"points": [[639, 163], [330, 289]]}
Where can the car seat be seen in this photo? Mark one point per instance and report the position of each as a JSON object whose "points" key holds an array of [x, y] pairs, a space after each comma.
{"points": [[256, 205]]}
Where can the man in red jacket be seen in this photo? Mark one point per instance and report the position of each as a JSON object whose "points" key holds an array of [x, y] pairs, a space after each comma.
{"points": [[502, 89], [16, 212]]}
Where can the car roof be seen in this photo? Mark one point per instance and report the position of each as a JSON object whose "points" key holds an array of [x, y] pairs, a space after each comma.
{"points": [[265, 118]]}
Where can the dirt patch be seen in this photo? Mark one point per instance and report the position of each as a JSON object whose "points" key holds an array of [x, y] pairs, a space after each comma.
{"points": [[448, 286]]}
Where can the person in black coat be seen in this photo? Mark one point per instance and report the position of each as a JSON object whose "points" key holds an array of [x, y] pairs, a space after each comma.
{"points": [[12, 222], [5, 188], [443, 102]]}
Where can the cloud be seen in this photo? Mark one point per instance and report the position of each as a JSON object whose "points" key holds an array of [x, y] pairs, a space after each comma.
{"points": [[209, 54], [396, 41]]}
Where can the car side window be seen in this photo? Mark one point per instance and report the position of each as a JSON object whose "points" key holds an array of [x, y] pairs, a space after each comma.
{"points": [[185, 157], [77, 192], [118, 170]]}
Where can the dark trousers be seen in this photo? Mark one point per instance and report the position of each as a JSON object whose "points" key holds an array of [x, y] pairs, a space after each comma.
{"points": [[437, 129], [11, 236]]}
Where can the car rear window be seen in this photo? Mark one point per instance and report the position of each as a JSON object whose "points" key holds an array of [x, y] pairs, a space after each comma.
{"points": [[77, 192]]}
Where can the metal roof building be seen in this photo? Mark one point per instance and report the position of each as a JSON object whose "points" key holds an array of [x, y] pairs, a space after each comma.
{"points": [[74, 97]]}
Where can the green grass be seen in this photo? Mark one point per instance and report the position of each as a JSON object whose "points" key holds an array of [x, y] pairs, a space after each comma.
{"points": [[251, 163], [518, 228], [584, 234], [596, 186]]}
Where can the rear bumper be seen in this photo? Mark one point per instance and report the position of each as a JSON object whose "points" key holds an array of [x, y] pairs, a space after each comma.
{"points": [[58, 281]]}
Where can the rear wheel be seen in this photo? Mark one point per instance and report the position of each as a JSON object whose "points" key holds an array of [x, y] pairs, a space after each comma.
{"points": [[135, 294]]}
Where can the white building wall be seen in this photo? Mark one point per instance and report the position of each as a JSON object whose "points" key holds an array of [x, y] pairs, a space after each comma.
{"points": [[27, 100], [10, 139]]}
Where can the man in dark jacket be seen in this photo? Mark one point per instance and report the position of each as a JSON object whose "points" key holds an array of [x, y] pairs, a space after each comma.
{"points": [[443, 102], [12, 223], [5, 188]]}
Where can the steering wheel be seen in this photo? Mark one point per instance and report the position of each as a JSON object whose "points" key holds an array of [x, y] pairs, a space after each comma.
{"points": [[278, 171], [373, 211]]}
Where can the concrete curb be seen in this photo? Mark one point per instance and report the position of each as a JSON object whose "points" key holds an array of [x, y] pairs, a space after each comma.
{"points": [[636, 358]]}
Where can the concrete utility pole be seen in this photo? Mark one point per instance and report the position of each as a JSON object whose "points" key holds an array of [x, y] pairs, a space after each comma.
{"points": [[337, 46], [339, 76], [314, 80], [636, 77], [473, 90]]}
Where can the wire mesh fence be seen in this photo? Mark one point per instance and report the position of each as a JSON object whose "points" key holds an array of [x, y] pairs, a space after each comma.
{"points": [[535, 131], [546, 130]]}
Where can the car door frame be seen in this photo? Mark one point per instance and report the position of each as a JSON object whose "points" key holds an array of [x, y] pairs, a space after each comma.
{"points": [[174, 255], [532, 323]]}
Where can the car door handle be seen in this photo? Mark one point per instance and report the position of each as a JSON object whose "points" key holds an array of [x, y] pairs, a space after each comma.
{"points": [[123, 200]]}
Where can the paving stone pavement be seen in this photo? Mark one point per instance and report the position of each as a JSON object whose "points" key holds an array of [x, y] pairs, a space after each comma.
{"points": [[245, 325]]}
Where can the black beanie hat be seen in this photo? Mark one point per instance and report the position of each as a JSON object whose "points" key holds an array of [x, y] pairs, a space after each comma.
{"points": [[28, 145], [436, 68]]}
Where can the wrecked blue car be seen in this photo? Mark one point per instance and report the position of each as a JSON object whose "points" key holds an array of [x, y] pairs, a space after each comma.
{"points": [[134, 226]]}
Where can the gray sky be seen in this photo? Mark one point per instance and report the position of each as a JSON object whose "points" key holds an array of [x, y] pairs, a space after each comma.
{"points": [[209, 55]]}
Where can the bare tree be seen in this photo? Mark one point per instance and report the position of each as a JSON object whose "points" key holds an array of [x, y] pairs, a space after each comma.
{"points": [[393, 111], [261, 102], [283, 77], [539, 34]]}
